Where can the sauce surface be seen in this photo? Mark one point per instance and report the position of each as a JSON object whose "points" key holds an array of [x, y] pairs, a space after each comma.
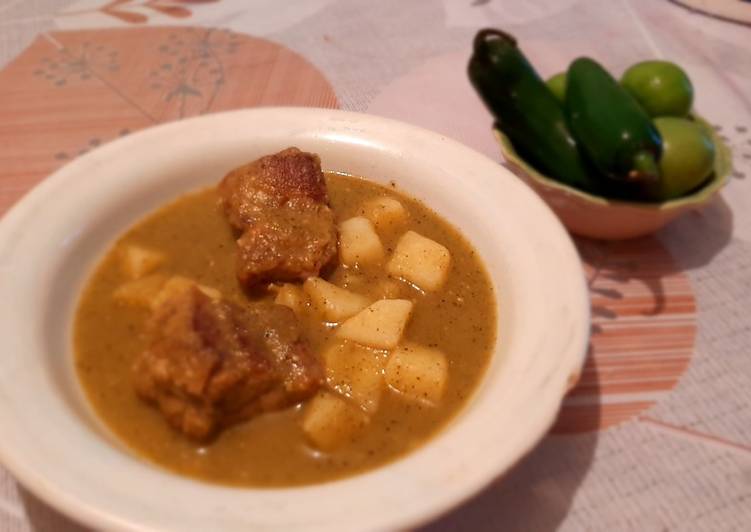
{"points": [[271, 450]]}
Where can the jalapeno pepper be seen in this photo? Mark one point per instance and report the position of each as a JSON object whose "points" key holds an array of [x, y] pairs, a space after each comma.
{"points": [[614, 132], [525, 109]]}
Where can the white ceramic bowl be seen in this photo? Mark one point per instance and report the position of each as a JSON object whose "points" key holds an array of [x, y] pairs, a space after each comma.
{"points": [[51, 440]]}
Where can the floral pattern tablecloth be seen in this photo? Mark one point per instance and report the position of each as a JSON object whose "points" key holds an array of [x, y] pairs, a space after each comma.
{"points": [[657, 433]]}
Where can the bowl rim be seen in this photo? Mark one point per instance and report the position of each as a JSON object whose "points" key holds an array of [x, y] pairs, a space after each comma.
{"points": [[351, 129], [723, 167]]}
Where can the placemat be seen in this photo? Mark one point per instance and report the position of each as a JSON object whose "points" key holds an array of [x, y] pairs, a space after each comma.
{"points": [[657, 433]]}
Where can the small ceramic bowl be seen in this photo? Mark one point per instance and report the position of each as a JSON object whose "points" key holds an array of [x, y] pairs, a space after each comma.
{"points": [[54, 443], [593, 216]]}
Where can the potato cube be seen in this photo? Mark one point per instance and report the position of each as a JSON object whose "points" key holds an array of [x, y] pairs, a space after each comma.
{"points": [[358, 242], [178, 283], [334, 303], [385, 212], [137, 261], [356, 372], [291, 296], [330, 421], [421, 261], [140, 292], [419, 373], [379, 325]]}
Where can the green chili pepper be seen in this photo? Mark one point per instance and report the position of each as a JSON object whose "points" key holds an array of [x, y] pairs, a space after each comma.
{"points": [[525, 109], [612, 129]]}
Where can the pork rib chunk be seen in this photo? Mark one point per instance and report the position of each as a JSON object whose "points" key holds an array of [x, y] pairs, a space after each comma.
{"points": [[280, 205], [211, 363]]}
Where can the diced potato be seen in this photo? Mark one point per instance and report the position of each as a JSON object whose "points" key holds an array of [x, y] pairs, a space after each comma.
{"points": [[385, 212], [178, 283], [330, 421], [291, 296], [379, 325], [335, 304], [358, 242], [421, 261], [137, 261], [140, 292], [417, 372], [356, 372]]}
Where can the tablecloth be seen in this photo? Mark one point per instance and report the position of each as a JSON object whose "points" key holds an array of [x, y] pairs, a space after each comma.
{"points": [[657, 434]]}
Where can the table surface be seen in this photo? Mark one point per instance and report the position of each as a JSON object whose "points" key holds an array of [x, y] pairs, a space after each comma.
{"points": [[657, 434]]}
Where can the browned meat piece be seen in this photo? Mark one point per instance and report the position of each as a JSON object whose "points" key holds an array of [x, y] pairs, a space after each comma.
{"points": [[211, 363], [280, 205], [249, 191]]}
